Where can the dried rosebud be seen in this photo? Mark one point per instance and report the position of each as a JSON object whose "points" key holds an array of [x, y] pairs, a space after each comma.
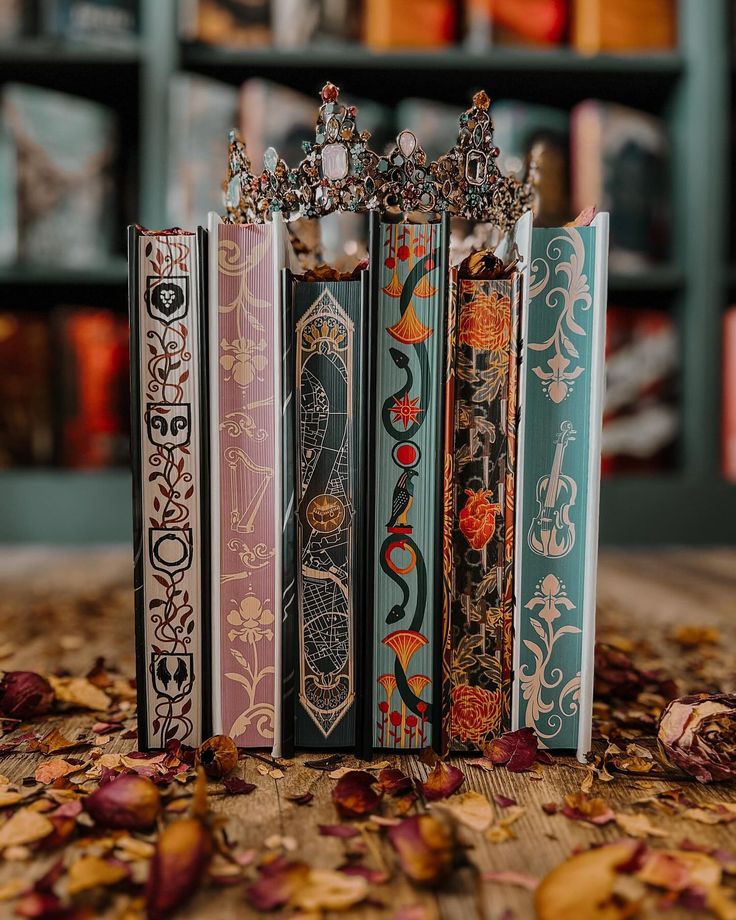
{"points": [[698, 734], [357, 794], [218, 755], [24, 695], [442, 782], [129, 802], [178, 865], [426, 848]]}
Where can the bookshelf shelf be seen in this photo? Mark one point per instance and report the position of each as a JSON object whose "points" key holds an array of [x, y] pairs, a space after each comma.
{"points": [[690, 88]]}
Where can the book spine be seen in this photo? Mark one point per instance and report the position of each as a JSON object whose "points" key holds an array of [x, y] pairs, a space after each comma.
{"points": [[405, 546], [245, 388], [479, 588], [729, 395], [557, 507], [328, 345], [169, 457]]}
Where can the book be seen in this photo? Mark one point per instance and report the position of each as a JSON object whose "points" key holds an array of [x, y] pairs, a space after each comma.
{"points": [[275, 116], [503, 22], [406, 380], [328, 468], [301, 23], [170, 503], [91, 19], [227, 23], [203, 111], [626, 25], [410, 24], [620, 164], [245, 366], [729, 396], [641, 421], [479, 499], [93, 428], [525, 131], [433, 123], [18, 19], [26, 430], [64, 148], [558, 471]]}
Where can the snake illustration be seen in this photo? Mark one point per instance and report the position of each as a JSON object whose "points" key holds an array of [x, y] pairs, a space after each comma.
{"points": [[398, 611]]}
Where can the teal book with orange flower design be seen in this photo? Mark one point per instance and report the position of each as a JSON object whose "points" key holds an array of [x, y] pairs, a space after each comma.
{"points": [[479, 509], [404, 569]]}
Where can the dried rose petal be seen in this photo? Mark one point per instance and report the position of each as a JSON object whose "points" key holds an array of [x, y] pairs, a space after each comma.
{"points": [[218, 755], [374, 876], [357, 794], [676, 870], [237, 786], [517, 751], [24, 695], [395, 782], [426, 848], [698, 734], [278, 882], [129, 802], [183, 852], [579, 806], [504, 801], [304, 799], [442, 781], [338, 830]]}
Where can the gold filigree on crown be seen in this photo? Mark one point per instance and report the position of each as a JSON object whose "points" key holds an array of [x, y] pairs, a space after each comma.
{"points": [[339, 172]]}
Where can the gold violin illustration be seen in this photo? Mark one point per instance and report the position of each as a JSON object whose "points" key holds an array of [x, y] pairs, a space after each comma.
{"points": [[552, 533]]}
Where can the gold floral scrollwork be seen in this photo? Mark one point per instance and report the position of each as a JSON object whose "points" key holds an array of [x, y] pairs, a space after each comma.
{"points": [[542, 688], [251, 622], [572, 292], [243, 360]]}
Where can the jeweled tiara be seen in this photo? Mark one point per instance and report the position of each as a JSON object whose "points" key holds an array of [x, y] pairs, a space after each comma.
{"points": [[339, 172]]}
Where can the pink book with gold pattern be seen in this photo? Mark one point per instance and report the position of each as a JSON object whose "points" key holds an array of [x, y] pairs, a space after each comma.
{"points": [[245, 469]]}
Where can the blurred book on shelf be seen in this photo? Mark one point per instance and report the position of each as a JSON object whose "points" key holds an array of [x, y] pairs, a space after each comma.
{"points": [[299, 23], [620, 163], [272, 115], [202, 113], [433, 123], [61, 149], [18, 19], [514, 22], [524, 130], [84, 20], [388, 25], [623, 25], [728, 433], [26, 432], [641, 418], [93, 410], [227, 23]]}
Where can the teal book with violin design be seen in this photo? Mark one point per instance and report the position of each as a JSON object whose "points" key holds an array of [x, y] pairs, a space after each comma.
{"points": [[558, 463], [408, 318]]}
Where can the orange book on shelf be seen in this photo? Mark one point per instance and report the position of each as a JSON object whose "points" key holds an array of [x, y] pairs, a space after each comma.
{"points": [[537, 22], [623, 25], [729, 395], [389, 24]]}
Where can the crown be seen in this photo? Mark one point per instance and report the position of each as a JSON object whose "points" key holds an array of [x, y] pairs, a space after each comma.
{"points": [[339, 172]]}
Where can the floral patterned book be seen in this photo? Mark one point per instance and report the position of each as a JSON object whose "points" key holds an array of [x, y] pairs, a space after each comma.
{"points": [[561, 395], [326, 464], [404, 571], [245, 477], [170, 512]]}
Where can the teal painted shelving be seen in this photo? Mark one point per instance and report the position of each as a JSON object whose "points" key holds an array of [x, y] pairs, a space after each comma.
{"points": [[690, 87]]}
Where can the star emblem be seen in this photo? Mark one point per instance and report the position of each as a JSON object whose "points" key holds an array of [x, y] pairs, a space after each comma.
{"points": [[406, 410]]}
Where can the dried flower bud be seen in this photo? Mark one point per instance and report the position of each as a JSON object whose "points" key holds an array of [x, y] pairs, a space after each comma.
{"points": [[129, 802], [24, 695], [217, 755], [698, 734], [183, 852]]}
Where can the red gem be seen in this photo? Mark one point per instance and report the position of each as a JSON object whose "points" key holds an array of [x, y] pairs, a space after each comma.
{"points": [[406, 454], [330, 92]]}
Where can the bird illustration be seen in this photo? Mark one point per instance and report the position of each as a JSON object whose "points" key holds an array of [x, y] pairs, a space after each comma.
{"points": [[181, 674], [403, 499], [163, 673]]}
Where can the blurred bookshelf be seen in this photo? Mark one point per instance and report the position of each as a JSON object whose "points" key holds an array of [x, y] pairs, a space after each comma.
{"points": [[690, 88]]}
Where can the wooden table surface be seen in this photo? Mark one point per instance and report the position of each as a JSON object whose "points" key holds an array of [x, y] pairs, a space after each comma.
{"points": [[52, 615]]}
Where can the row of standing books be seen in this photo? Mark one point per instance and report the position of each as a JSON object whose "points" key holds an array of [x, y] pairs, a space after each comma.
{"points": [[64, 388], [590, 26], [366, 509], [72, 20], [601, 151]]}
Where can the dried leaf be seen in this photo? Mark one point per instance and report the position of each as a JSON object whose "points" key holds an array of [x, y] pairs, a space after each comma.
{"points": [[79, 692], [48, 771], [93, 872], [471, 809], [25, 826]]}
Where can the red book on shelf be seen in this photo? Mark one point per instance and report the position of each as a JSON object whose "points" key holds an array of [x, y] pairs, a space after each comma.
{"points": [[729, 395], [94, 347], [410, 24]]}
